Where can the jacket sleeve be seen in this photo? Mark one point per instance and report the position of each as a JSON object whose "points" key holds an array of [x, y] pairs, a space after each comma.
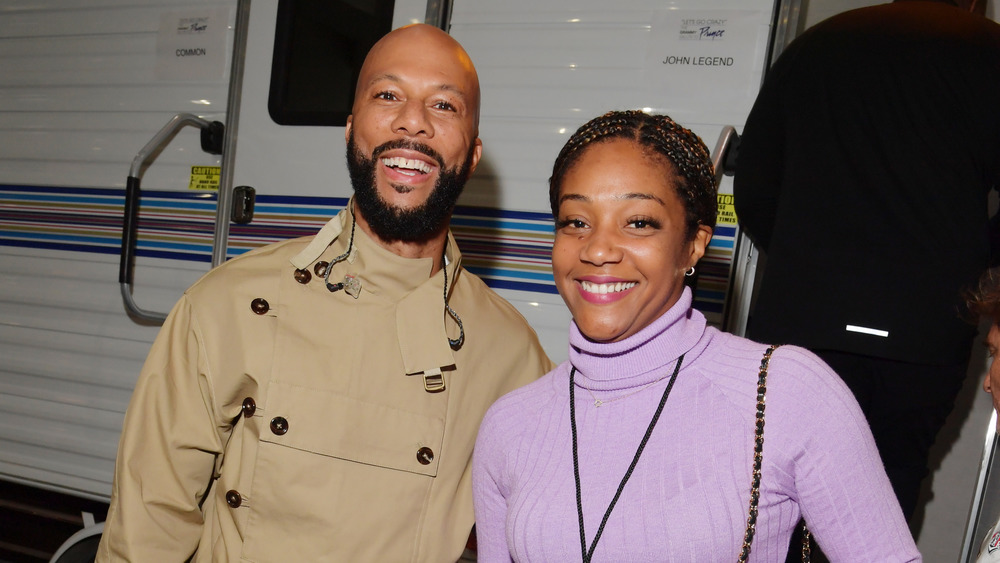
{"points": [[759, 165], [167, 453]]}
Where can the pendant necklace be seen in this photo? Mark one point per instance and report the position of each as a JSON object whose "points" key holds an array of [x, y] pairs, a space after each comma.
{"points": [[588, 553]]}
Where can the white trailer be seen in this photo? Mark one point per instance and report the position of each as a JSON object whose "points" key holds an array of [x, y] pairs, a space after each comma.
{"points": [[86, 88]]}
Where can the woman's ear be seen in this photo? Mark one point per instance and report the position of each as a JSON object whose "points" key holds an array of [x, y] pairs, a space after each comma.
{"points": [[699, 243]]}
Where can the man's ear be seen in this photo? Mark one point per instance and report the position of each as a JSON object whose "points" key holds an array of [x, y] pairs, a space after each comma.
{"points": [[477, 153], [347, 128]]}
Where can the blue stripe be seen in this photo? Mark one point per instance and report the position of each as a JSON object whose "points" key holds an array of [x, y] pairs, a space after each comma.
{"points": [[62, 237], [522, 286], [492, 212], [493, 224], [323, 211], [725, 231], [494, 272], [339, 202], [155, 244]]}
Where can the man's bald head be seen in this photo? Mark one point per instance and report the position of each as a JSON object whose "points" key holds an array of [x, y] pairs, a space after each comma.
{"points": [[422, 42]]}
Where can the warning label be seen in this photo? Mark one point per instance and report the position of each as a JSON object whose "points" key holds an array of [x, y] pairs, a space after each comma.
{"points": [[207, 178], [726, 213]]}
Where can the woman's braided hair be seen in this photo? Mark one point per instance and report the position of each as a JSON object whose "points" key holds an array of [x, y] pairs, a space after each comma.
{"points": [[658, 135]]}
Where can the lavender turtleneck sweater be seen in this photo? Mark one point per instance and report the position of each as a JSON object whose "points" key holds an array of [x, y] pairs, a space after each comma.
{"points": [[688, 496]]}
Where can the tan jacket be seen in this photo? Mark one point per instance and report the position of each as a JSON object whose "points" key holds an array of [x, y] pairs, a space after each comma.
{"points": [[277, 421]]}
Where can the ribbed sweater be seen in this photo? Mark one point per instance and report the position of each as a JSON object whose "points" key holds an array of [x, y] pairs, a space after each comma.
{"points": [[688, 497]]}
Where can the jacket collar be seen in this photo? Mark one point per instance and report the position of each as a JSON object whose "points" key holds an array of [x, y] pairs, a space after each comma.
{"points": [[422, 324]]}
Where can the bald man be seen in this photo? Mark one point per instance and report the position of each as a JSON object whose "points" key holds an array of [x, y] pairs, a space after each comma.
{"points": [[318, 399]]}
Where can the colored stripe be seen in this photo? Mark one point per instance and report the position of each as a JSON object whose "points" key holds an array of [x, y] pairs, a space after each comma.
{"points": [[508, 249]]}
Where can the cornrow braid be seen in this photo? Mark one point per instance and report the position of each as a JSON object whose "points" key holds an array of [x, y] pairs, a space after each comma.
{"points": [[661, 136]]}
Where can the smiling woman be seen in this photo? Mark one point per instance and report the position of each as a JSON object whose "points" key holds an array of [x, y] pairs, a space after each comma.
{"points": [[643, 445]]}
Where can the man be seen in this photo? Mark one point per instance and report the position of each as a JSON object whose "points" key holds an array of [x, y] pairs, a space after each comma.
{"points": [[863, 175], [318, 399]]}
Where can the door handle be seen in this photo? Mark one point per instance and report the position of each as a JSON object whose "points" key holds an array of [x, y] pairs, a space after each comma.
{"points": [[211, 142]]}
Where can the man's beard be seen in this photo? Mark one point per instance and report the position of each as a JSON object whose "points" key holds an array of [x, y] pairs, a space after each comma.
{"points": [[391, 223]]}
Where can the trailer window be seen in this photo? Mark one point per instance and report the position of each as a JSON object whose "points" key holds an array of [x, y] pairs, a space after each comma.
{"points": [[319, 46]]}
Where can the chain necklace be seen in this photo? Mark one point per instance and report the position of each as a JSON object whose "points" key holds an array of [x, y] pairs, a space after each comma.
{"points": [[587, 554], [599, 402]]}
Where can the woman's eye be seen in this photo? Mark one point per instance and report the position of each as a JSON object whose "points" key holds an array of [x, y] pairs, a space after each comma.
{"points": [[644, 223], [571, 223]]}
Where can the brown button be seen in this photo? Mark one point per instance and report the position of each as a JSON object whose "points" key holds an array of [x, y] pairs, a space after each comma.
{"points": [[425, 455], [233, 499], [260, 306], [249, 407], [303, 276], [320, 268], [279, 425]]}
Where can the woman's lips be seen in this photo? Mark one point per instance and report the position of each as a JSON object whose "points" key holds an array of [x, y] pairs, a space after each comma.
{"points": [[604, 292]]}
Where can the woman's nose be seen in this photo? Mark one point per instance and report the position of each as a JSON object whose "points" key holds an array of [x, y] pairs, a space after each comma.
{"points": [[602, 247]]}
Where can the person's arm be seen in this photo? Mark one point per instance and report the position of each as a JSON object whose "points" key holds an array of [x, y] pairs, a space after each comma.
{"points": [[167, 452], [838, 477], [487, 494], [760, 165]]}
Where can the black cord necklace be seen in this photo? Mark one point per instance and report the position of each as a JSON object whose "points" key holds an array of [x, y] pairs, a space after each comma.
{"points": [[587, 554]]}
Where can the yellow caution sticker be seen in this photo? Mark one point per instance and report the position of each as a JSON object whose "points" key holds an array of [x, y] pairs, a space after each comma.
{"points": [[726, 213], [205, 177]]}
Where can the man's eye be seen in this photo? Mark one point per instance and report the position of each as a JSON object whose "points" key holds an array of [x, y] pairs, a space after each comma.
{"points": [[385, 96], [445, 106]]}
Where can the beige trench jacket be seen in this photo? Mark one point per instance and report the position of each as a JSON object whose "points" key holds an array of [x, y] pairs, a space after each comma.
{"points": [[277, 421]]}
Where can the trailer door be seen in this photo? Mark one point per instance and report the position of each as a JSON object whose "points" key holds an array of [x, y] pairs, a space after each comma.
{"points": [[300, 63], [545, 69]]}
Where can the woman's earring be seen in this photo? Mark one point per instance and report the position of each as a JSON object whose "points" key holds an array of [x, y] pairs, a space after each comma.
{"points": [[690, 272]]}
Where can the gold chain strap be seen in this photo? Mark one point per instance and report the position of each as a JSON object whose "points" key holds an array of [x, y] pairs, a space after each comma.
{"points": [[758, 449]]}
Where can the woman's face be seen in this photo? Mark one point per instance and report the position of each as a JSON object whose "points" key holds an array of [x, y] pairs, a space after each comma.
{"points": [[620, 252], [992, 382]]}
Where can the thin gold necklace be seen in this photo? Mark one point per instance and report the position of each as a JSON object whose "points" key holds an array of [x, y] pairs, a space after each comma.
{"points": [[599, 402]]}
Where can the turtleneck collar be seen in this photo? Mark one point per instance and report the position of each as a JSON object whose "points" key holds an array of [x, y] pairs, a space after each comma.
{"points": [[641, 358]]}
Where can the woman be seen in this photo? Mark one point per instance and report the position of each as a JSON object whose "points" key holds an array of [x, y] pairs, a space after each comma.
{"points": [[652, 458], [984, 302]]}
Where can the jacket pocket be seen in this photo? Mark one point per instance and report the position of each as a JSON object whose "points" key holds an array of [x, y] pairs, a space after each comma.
{"points": [[342, 427]]}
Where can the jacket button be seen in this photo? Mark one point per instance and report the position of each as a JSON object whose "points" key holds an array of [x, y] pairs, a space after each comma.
{"points": [[260, 306], [279, 425], [233, 499], [303, 276], [320, 268], [425, 455], [249, 407]]}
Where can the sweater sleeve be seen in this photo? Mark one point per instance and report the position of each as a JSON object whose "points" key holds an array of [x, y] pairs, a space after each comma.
{"points": [[829, 454], [488, 491], [167, 452]]}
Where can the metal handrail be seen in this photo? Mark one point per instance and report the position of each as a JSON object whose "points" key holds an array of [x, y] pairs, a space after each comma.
{"points": [[133, 193]]}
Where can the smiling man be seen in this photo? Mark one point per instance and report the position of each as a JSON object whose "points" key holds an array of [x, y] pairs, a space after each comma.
{"points": [[318, 399]]}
